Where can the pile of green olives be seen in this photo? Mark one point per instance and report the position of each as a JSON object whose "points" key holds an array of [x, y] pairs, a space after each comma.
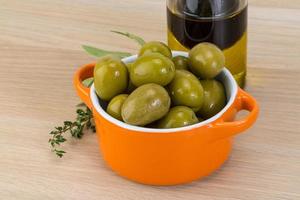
{"points": [[161, 91]]}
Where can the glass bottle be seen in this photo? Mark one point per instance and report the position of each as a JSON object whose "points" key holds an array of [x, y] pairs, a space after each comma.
{"points": [[222, 22]]}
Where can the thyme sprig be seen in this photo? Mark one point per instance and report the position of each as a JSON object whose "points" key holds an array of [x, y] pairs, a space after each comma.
{"points": [[76, 128], [84, 121]]}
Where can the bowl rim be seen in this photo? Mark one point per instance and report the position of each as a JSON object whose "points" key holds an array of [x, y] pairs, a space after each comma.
{"points": [[105, 115]]}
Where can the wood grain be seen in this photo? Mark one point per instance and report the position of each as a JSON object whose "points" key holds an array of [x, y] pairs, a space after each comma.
{"points": [[39, 52]]}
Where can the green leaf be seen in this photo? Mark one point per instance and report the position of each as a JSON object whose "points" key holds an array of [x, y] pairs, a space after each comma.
{"points": [[136, 38], [59, 153], [88, 82], [79, 111], [53, 132], [101, 52], [59, 128], [68, 123]]}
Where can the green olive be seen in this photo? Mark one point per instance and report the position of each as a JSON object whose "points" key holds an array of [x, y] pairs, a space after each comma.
{"points": [[181, 62], [214, 98], [106, 59], [155, 47], [186, 90], [206, 60], [115, 105], [146, 104], [110, 77], [152, 68], [178, 116]]}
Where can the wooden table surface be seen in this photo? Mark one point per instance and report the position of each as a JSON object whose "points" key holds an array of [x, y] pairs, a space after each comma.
{"points": [[40, 48]]}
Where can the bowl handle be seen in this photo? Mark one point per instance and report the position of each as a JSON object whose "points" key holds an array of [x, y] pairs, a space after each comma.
{"points": [[226, 126], [80, 75]]}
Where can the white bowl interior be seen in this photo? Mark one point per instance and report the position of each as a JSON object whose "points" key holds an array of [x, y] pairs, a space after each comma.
{"points": [[224, 77]]}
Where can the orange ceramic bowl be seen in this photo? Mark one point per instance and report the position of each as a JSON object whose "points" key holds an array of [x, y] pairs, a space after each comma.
{"points": [[168, 156]]}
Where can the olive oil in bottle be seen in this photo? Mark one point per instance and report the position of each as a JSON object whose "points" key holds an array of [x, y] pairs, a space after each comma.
{"points": [[222, 22]]}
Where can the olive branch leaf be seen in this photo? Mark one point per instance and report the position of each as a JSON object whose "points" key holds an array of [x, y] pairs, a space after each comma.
{"points": [[134, 37]]}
